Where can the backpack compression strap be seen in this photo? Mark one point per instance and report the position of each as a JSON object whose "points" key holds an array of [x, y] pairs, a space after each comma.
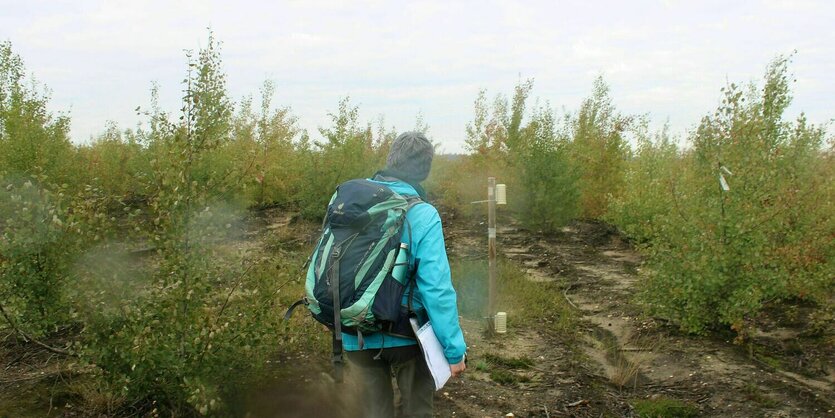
{"points": [[337, 320], [289, 313]]}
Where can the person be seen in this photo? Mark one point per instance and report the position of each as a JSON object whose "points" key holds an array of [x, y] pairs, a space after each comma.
{"points": [[384, 358]]}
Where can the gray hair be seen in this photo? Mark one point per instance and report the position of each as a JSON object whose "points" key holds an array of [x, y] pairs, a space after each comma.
{"points": [[411, 156]]}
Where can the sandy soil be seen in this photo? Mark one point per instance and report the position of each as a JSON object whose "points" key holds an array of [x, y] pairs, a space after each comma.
{"points": [[619, 355]]}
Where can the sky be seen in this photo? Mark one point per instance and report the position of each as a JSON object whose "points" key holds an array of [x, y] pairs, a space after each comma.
{"points": [[667, 59]]}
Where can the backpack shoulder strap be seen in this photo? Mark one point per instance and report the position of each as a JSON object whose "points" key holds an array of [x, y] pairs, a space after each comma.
{"points": [[413, 200]]}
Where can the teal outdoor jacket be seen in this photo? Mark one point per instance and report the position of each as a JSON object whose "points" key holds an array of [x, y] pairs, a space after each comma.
{"points": [[434, 293]]}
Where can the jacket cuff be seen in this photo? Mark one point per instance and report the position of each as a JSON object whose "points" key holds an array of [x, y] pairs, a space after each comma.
{"points": [[454, 360]]}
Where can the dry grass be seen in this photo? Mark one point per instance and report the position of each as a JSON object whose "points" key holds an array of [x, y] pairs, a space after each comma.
{"points": [[625, 372], [627, 367]]}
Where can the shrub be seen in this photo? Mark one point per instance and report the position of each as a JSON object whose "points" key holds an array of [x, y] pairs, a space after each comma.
{"points": [[43, 234], [549, 179], [32, 140], [599, 150], [46, 217], [264, 151], [117, 163], [718, 255], [347, 151], [650, 182], [195, 319]]}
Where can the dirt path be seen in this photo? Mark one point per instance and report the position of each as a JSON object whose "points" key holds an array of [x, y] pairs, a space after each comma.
{"points": [[618, 355]]}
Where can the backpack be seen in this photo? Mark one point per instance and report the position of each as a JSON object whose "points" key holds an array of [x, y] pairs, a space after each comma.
{"points": [[359, 270]]}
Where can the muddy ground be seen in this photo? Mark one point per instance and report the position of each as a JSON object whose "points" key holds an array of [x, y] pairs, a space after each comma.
{"points": [[616, 357]]}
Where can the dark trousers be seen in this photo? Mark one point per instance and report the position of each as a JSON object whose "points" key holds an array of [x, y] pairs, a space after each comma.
{"points": [[400, 366]]}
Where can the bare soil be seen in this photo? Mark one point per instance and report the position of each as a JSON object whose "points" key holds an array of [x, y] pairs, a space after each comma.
{"points": [[619, 355]]}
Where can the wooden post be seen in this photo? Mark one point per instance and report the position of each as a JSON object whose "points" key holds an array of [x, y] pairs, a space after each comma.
{"points": [[491, 249]]}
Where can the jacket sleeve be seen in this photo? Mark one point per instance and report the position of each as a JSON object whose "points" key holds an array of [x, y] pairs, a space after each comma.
{"points": [[434, 283]]}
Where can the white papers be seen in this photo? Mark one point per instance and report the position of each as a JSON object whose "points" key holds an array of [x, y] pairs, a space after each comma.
{"points": [[433, 353]]}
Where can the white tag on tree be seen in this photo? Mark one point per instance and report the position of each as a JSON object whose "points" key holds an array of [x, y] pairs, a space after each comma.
{"points": [[723, 183]]}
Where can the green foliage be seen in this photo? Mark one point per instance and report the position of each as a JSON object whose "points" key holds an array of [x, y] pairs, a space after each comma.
{"points": [[599, 150], [716, 256], [199, 319], [549, 179], [43, 233], [486, 134], [177, 328], [46, 218], [117, 163], [206, 99], [509, 362], [175, 332], [504, 377], [493, 138], [347, 151], [32, 140], [274, 174], [34, 266], [555, 168], [501, 369], [197, 329], [650, 180]]}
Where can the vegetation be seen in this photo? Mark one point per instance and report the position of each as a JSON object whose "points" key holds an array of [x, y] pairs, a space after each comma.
{"points": [[664, 408], [33, 141], [502, 369], [740, 219], [509, 362], [116, 253], [524, 300]]}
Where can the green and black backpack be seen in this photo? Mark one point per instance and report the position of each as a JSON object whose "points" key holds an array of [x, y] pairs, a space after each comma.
{"points": [[360, 269]]}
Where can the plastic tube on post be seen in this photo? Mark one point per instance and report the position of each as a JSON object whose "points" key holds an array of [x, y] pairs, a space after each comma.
{"points": [[501, 194], [501, 322], [492, 268]]}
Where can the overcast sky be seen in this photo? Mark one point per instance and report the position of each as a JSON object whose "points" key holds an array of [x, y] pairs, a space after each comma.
{"points": [[665, 58]]}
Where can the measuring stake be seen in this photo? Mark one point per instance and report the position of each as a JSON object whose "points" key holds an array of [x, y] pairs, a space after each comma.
{"points": [[491, 249]]}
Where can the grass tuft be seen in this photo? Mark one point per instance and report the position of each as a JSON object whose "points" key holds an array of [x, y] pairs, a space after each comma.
{"points": [[503, 377], [509, 362]]}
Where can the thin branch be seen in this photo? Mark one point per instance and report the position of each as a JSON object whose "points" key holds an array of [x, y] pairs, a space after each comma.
{"points": [[278, 289], [223, 308], [675, 201], [29, 338], [232, 290], [565, 294]]}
